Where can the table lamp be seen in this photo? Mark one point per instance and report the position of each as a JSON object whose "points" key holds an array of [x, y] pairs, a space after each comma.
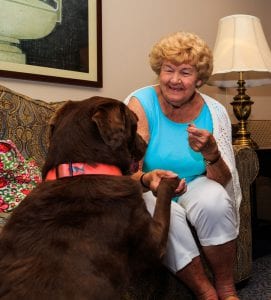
{"points": [[242, 58]]}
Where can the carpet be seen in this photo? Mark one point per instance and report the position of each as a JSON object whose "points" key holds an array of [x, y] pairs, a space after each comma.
{"points": [[259, 285]]}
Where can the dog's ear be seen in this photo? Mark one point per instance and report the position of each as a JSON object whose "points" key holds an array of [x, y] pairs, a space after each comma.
{"points": [[110, 121]]}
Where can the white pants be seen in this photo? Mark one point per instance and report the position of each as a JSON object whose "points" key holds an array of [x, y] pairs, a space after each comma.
{"points": [[209, 209]]}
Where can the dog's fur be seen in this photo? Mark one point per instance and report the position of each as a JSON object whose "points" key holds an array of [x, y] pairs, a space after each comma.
{"points": [[81, 237]]}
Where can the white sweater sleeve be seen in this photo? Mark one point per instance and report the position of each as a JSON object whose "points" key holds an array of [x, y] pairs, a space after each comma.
{"points": [[223, 134]]}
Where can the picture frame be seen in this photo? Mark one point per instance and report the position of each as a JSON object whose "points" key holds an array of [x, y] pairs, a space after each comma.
{"points": [[71, 53]]}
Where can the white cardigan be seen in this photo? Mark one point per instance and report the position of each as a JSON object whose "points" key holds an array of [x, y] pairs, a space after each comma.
{"points": [[222, 132]]}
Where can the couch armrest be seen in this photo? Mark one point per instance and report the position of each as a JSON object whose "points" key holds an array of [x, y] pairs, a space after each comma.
{"points": [[247, 164]]}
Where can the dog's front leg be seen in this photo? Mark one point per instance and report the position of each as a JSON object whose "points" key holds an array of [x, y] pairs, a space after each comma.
{"points": [[161, 216]]}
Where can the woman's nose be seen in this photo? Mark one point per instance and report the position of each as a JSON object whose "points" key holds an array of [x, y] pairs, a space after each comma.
{"points": [[176, 77]]}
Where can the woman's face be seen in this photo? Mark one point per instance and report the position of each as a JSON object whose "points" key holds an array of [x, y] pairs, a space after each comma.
{"points": [[178, 82]]}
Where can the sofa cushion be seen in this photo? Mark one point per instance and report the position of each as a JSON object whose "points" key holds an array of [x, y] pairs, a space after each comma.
{"points": [[24, 121]]}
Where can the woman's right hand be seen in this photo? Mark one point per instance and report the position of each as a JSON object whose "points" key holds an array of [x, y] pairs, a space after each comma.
{"points": [[153, 178]]}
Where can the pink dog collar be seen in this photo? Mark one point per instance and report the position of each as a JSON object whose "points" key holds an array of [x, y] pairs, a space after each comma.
{"points": [[75, 169]]}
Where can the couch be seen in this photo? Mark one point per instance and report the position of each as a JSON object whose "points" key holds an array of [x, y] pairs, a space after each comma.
{"points": [[25, 121]]}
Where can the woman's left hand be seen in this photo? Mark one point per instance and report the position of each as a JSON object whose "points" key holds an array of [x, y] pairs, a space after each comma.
{"points": [[201, 140]]}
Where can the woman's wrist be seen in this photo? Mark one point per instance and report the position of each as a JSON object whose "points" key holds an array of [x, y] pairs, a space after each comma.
{"points": [[142, 181], [212, 161]]}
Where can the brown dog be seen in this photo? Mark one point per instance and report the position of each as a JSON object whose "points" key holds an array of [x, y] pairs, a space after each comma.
{"points": [[81, 233]]}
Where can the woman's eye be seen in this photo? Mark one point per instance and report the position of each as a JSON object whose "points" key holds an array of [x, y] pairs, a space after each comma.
{"points": [[167, 69], [186, 73]]}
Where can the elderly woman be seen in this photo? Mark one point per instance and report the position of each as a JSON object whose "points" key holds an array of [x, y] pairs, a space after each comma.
{"points": [[189, 134]]}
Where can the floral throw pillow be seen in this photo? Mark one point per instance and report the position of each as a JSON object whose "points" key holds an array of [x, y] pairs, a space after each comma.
{"points": [[18, 176]]}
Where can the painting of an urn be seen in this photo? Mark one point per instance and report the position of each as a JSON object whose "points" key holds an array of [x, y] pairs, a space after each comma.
{"points": [[25, 20]]}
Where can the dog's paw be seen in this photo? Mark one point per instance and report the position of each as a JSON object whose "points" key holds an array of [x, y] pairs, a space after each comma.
{"points": [[168, 185]]}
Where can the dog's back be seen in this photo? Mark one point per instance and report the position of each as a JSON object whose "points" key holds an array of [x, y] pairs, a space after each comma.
{"points": [[63, 244]]}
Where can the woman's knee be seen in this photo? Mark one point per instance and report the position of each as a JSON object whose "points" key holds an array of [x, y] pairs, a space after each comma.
{"points": [[213, 203], [217, 204]]}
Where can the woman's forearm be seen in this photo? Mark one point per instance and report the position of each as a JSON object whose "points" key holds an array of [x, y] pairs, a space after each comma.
{"points": [[218, 171]]}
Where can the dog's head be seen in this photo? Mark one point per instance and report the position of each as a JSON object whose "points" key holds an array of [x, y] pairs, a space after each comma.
{"points": [[95, 130]]}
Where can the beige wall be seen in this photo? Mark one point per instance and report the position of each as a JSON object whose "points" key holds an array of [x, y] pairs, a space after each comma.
{"points": [[129, 30]]}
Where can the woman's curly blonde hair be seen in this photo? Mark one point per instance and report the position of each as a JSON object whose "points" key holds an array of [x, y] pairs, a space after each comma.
{"points": [[183, 47]]}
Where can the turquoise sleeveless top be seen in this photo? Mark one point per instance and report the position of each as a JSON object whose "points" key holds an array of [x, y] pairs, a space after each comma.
{"points": [[168, 146]]}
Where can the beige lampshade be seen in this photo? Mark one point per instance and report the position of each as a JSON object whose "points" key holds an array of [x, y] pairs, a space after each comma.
{"points": [[241, 46]]}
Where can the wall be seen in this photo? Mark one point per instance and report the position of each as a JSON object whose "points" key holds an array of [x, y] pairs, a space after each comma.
{"points": [[130, 28]]}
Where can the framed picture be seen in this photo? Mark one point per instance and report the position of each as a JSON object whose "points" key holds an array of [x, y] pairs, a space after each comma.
{"points": [[52, 40]]}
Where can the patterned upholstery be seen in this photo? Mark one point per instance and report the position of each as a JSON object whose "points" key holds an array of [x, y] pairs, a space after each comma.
{"points": [[248, 167], [25, 121]]}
